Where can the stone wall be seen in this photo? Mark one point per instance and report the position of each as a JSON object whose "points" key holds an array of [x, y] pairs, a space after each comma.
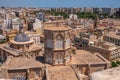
{"points": [[33, 73], [15, 73], [87, 69], [103, 52]]}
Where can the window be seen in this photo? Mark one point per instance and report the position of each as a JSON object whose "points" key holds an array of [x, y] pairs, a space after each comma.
{"points": [[37, 72], [49, 58], [49, 43], [19, 77], [59, 58], [67, 42], [59, 42]]}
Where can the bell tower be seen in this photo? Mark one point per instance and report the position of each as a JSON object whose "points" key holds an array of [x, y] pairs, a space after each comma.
{"points": [[96, 21], [57, 44]]}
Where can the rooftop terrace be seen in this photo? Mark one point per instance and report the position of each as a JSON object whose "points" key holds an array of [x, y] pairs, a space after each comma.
{"points": [[114, 35], [21, 63], [66, 72], [85, 57]]}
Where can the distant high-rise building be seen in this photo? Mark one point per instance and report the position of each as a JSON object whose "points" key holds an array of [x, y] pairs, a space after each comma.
{"points": [[118, 13], [97, 10], [106, 11], [88, 10]]}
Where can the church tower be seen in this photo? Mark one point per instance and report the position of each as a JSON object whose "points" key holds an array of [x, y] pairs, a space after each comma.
{"points": [[96, 21], [57, 44]]}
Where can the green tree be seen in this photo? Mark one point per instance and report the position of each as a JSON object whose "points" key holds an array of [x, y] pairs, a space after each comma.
{"points": [[118, 62], [114, 64]]}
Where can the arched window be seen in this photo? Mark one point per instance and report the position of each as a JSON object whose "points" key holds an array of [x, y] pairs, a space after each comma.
{"points": [[49, 43], [37, 72], [19, 77], [59, 42], [59, 58], [49, 58]]}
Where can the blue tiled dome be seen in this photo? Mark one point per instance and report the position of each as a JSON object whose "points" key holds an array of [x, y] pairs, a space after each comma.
{"points": [[21, 37]]}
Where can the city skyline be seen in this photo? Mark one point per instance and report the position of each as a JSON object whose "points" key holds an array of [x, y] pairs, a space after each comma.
{"points": [[61, 3]]}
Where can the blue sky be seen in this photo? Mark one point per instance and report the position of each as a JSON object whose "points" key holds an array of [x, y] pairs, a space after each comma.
{"points": [[60, 3]]}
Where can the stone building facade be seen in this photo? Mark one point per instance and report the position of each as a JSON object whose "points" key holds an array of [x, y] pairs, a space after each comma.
{"points": [[112, 37], [57, 45], [107, 50], [25, 70]]}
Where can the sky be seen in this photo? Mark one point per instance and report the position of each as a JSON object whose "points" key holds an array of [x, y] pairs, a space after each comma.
{"points": [[60, 3]]}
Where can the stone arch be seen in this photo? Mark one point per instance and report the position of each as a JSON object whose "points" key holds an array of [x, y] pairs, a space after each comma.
{"points": [[68, 34], [19, 77], [59, 55], [59, 42], [59, 58], [49, 57], [59, 36]]}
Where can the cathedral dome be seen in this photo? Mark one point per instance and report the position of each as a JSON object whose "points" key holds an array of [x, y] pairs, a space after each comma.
{"points": [[21, 37]]}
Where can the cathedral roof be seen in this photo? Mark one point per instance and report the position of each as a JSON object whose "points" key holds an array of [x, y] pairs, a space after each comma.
{"points": [[21, 37]]}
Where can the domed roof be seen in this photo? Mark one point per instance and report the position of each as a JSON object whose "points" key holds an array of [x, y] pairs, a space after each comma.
{"points": [[21, 37]]}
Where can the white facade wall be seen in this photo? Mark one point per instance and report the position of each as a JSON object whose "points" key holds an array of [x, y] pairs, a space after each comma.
{"points": [[36, 38], [37, 24]]}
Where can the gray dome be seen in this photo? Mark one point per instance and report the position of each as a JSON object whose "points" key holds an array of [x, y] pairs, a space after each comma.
{"points": [[21, 37]]}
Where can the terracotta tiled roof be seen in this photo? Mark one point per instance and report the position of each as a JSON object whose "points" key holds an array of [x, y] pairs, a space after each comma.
{"points": [[57, 27], [62, 73], [86, 57], [21, 63], [113, 34]]}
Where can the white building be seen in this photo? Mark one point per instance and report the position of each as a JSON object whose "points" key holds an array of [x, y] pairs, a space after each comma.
{"points": [[3, 23], [73, 16], [37, 25], [15, 24], [35, 37]]}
